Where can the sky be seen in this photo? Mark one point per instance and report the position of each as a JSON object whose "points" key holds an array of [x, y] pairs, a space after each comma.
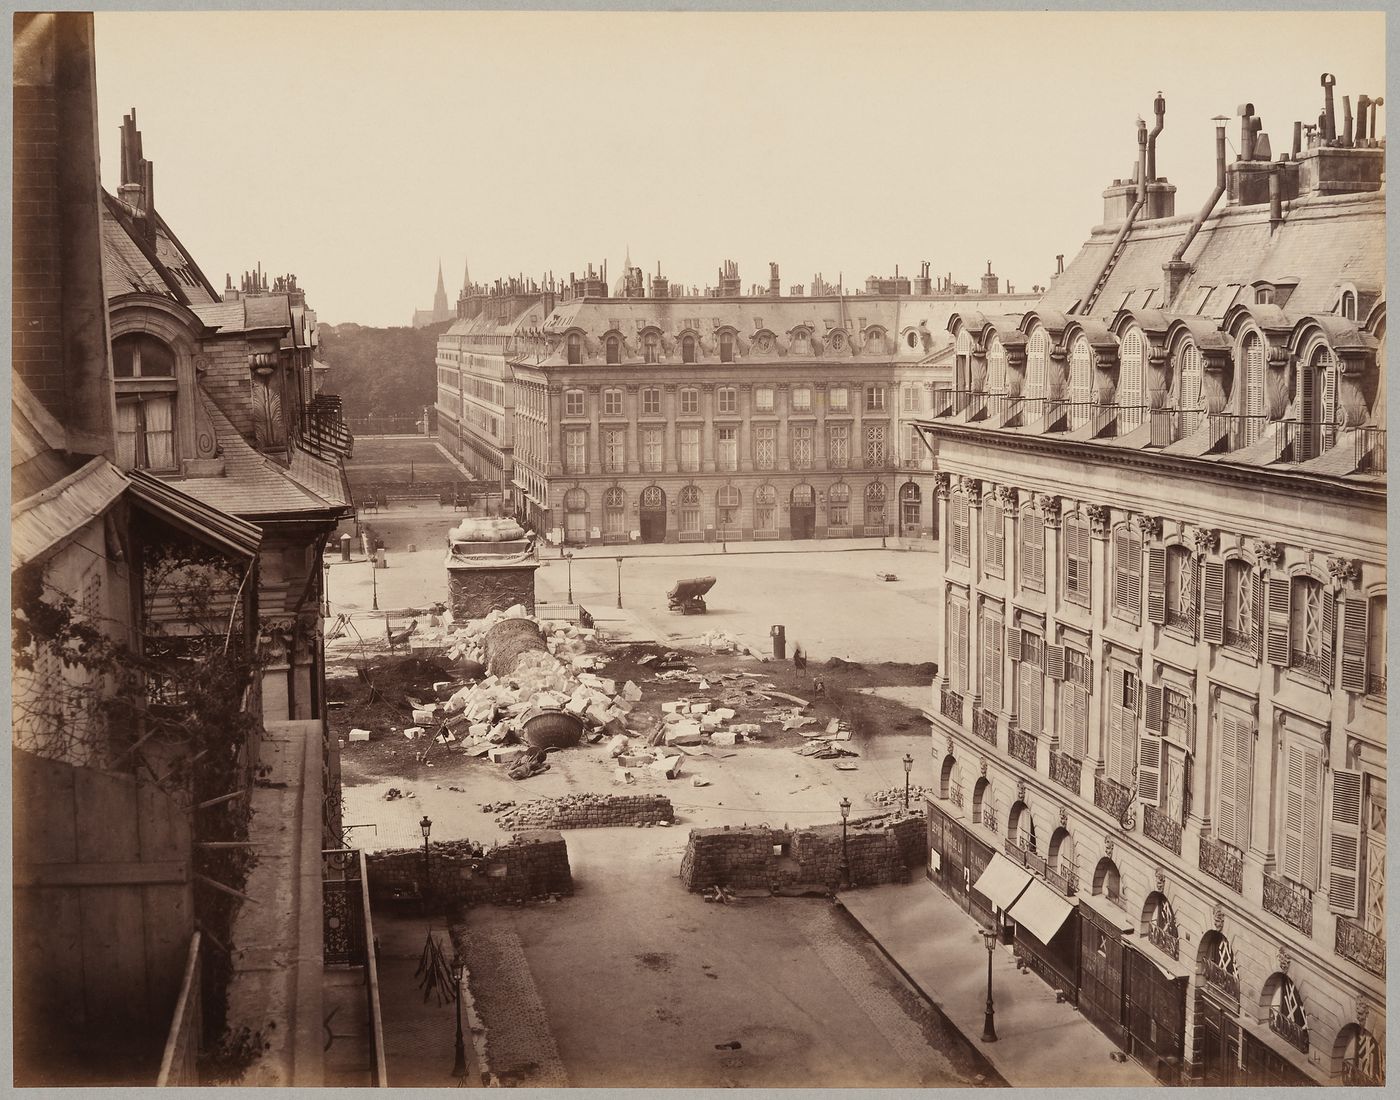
{"points": [[357, 149]]}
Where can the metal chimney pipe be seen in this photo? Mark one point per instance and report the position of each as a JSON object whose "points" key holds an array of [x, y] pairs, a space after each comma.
{"points": [[1297, 139], [1275, 197], [1346, 122], [1329, 109], [1246, 113], [1363, 107], [1159, 108], [1379, 101], [1142, 163]]}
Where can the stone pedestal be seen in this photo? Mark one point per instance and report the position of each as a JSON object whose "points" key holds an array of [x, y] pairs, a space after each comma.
{"points": [[483, 577]]}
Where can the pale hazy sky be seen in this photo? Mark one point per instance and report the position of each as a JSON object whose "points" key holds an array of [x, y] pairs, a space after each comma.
{"points": [[355, 149]]}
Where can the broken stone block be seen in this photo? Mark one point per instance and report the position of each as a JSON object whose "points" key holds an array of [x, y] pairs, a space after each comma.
{"points": [[671, 708], [622, 775], [683, 733], [696, 781], [700, 707], [617, 745], [607, 687], [723, 737], [723, 713], [670, 767], [424, 714], [636, 760], [359, 735], [412, 732], [709, 723], [631, 692], [506, 754], [614, 727]]}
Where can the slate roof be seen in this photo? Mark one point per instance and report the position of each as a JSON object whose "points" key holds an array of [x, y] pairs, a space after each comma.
{"points": [[130, 262], [41, 521], [1323, 242]]}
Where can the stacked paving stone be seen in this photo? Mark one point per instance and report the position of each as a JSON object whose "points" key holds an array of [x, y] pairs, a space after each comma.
{"points": [[532, 865], [878, 851], [894, 797], [588, 811]]}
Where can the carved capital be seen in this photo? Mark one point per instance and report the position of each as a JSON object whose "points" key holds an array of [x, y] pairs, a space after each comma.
{"points": [[941, 483], [1344, 570], [1007, 495], [1098, 519], [971, 486], [1268, 553], [1150, 526], [982, 771], [1050, 507], [1206, 540]]}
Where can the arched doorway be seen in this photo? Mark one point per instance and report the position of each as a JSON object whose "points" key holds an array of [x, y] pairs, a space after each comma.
{"points": [[651, 513], [875, 508], [615, 513], [947, 777], [1020, 827], [803, 511], [910, 510], [1217, 1010], [576, 517]]}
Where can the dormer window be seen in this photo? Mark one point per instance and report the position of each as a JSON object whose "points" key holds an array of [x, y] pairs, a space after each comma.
{"points": [[575, 348], [651, 347], [613, 349], [142, 356], [1347, 307], [687, 349], [146, 394], [1264, 296], [726, 347]]}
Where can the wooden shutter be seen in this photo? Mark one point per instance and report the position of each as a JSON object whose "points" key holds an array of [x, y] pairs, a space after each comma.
{"points": [[1055, 661], [991, 663], [1292, 848], [1256, 611], [1312, 817], [1307, 410], [964, 636], [1113, 746], [1278, 619], [1087, 675], [1329, 635], [1354, 628], [1244, 766], [1154, 708], [1225, 815], [1213, 603], [1149, 769], [1080, 748], [1122, 546], [1156, 584], [1013, 643], [1344, 852]]}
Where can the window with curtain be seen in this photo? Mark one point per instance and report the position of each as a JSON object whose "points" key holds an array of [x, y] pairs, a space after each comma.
{"points": [[690, 509], [838, 505], [615, 511], [652, 449], [727, 449], [763, 399], [689, 443], [146, 432], [801, 398], [576, 451], [838, 398]]}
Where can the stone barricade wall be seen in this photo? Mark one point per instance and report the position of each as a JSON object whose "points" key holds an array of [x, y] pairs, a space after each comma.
{"points": [[879, 851], [533, 864], [589, 811]]}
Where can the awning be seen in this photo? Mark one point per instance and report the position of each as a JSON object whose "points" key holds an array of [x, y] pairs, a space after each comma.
{"points": [[1002, 882], [1172, 969], [195, 517], [1040, 911]]}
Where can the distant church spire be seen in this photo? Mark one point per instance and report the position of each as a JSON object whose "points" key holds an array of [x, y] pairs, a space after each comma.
{"points": [[440, 298], [466, 276]]}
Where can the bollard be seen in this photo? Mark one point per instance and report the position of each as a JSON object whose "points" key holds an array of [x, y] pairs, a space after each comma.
{"points": [[779, 634], [344, 547]]}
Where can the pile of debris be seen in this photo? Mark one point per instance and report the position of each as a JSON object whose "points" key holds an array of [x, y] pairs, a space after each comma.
{"points": [[895, 796], [822, 744], [589, 811]]}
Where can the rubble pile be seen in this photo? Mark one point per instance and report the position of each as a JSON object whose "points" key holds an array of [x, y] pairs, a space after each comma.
{"points": [[895, 796], [821, 743], [589, 811]]}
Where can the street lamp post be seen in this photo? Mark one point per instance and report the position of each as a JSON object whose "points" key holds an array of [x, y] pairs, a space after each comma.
{"points": [[908, 767], [459, 1063], [619, 580], [570, 559], [989, 1025], [427, 826], [845, 855]]}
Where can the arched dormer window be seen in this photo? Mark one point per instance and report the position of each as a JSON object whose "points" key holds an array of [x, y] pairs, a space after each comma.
{"points": [[1188, 377], [1037, 350], [875, 340], [574, 345], [802, 341], [612, 347], [996, 366], [1317, 401], [1132, 351], [962, 360], [651, 347], [726, 347], [1081, 370], [687, 348], [1347, 305], [1253, 361], [146, 395]]}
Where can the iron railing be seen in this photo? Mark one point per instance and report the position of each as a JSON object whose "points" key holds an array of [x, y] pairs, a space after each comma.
{"points": [[1164, 940], [1182, 618], [1171, 425], [1224, 983], [984, 725], [1231, 431], [951, 705], [1161, 828], [1066, 882], [1313, 664], [1128, 417], [1289, 900], [1066, 770], [1071, 416], [1112, 796], [347, 928], [1290, 1031], [1364, 948], [1222, 863], [385, 425], [1370, 450], [179, 1064], [1021, 746]]}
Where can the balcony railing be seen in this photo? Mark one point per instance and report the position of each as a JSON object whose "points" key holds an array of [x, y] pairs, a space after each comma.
{"points": [[1225, 983], [950, 705], [1071, 416], [1313, 664], [1021, 745], [347, 928], [1026, 411], [1066, 770], [1287, 899], [1113, 797], [179, 1065], [1171, 425], [1161, 828], [1066, 882], [1035, 863], [1164, 940], [1222, 863], [1291, 1032], [1182, 618], [1241, 640], [1370, 451], [1014, 851], [1298, 441], [1231, 431], [984, 725], [1364, 948]]}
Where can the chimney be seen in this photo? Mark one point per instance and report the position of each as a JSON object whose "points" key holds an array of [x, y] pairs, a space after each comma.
{"points": [[923, 284], [1329, 110], [989, 281], [1276, 197], [1346, 122], [1060, 264], [1159, 108], [775, 286]]}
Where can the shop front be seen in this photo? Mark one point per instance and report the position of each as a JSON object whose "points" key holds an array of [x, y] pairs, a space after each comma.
{"points": [[996, 889], [957, 859], [1102, 926], [1047, 937]]}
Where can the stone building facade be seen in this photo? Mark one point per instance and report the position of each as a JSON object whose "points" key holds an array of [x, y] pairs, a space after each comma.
{"points": [[1162, 637], [660, 417]]}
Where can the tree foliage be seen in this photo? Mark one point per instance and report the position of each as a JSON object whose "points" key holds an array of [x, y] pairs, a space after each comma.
{"points": [[382, 372]]}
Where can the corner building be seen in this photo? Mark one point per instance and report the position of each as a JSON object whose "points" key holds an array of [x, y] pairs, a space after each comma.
{"points": [[669, 418], [1161, 713]]}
